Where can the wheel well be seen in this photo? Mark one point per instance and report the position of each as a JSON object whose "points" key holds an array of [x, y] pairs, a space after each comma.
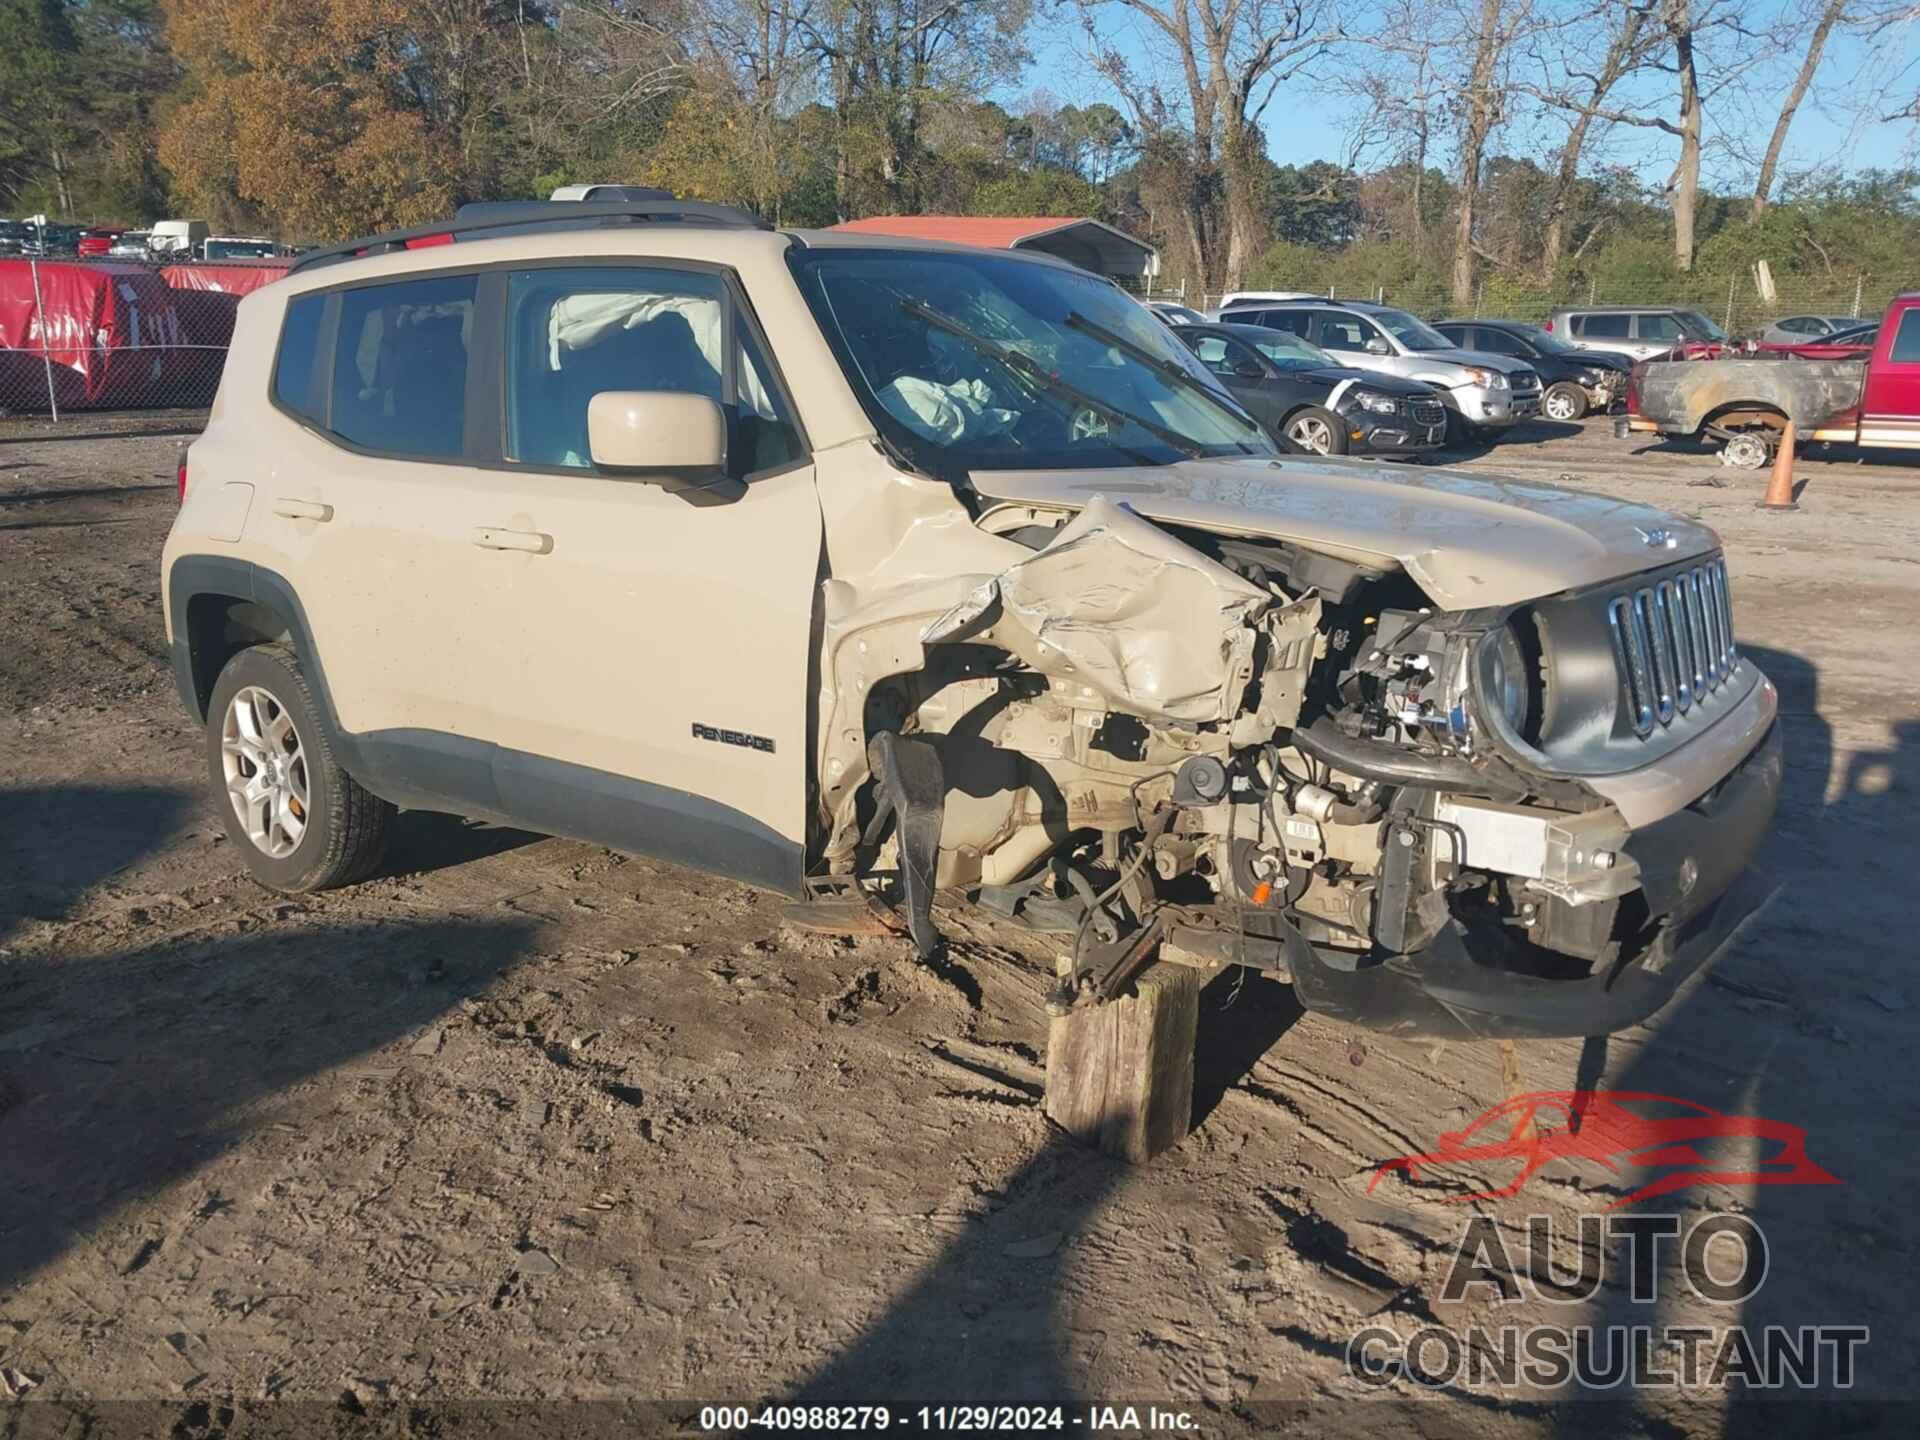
{"points": [[1744, 414], [220, 627]]}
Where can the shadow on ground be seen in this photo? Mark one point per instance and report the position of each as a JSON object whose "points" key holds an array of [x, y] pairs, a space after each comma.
{"points": [[1768, 1035], [122, 1073]]}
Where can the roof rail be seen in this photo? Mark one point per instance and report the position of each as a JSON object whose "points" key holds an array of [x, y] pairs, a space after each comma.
{"points": [[488, 220]]}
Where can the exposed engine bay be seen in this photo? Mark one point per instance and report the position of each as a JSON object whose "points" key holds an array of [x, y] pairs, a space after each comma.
{"points": [[1138, 733]]}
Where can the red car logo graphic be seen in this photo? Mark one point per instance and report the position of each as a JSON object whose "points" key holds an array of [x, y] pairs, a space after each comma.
{"points": [[1617, 1128]]}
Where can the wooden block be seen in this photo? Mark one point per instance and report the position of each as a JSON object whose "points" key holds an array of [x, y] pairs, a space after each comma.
{"points": [[1120, 1075]]}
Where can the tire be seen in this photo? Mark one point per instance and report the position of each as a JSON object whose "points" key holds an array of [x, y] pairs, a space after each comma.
{"points": [[263, 721], [1317, 431], [1564, 402]]}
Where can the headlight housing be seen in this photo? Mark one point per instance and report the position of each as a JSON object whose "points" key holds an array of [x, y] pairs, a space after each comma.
{"points": [[1494, 672], [1506, 676], [1376, 402], [1486, 379]]}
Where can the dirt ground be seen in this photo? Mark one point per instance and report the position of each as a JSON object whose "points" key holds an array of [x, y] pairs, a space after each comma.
{"points": [[527, 1120]]}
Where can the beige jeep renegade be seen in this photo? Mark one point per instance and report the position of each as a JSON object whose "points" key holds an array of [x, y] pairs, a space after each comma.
{"points": [[862, 569]]}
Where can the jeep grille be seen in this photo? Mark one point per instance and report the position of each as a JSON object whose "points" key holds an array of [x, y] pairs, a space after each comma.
{"points": [[1673, 643]]}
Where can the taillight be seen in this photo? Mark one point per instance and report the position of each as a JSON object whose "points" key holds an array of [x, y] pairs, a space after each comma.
{"points": [[1549, 325], [182, 477], [1633, 388]]}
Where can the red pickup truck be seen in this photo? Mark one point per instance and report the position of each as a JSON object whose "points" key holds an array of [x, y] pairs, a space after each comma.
{"points": [[1746, 402]]}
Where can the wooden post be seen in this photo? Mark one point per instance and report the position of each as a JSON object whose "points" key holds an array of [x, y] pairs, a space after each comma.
{"points": [[1120, 1075]]}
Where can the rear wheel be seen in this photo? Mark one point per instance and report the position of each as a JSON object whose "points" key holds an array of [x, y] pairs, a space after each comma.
{"points": [[1747, 450], [299, 821], [1565, 401], [1318, 431]]}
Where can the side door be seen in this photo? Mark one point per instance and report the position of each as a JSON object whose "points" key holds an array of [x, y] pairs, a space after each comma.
{"points": [[1348, 336], [1655, 332], [1890, 404], [651, 655], [1612, 330], [1240, 368], [365, 523]]}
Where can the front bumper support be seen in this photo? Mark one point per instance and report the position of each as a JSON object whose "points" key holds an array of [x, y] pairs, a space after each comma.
{"points": [[1695, 870]]}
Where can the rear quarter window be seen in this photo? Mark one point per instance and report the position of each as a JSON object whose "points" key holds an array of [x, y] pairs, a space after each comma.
{"points": [[1605, 327], [296, 365]]}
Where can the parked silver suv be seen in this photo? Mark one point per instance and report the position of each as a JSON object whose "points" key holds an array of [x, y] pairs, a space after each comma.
{"points": [[1642, 331], [1484, 393]]}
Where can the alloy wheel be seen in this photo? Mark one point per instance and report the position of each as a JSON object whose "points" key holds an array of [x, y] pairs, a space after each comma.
{"points": [[1312, 433], [265, 766]]}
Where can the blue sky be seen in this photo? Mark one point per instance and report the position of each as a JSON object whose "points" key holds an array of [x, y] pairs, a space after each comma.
{"points": [[1309, 122]]}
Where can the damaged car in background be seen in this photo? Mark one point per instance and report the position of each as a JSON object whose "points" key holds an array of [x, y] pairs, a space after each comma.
{"points": [[985, 593]]}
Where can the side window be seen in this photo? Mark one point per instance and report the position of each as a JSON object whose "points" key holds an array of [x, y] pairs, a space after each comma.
{"points": [[1344, 332], [572, 333], [1659, 327], [1798, 326], [1294, 322], [1460, 335], [1498, 342], [1212, 351], [297, 364], [1605, 327], [400, 366], [1906, 340]]}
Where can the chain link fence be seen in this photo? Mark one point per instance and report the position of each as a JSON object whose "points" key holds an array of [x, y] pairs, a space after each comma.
{"points": [[85, 336], [1735, 303]]}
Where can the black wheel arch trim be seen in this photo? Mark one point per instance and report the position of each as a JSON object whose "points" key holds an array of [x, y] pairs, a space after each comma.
{"points": [[431, 770]]}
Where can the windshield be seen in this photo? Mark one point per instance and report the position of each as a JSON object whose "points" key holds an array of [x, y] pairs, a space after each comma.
{"points": [[993, 363], [1412, 333], [239, 249], [1697, 324]]}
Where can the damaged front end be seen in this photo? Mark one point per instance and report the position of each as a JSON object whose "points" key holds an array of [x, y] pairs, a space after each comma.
{"points": [[1138, 734]]}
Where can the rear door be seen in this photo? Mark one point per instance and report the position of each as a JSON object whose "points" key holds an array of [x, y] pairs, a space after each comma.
{"points": [[367, 516], [1609, 330], [650, 650], [1890, 404]]}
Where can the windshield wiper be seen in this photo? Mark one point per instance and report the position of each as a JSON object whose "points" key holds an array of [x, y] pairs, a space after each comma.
{"points": [[1028, 370], [1169, 369]]}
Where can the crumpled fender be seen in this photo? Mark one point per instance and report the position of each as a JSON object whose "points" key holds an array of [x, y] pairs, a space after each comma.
{"points": [[1116, 604]]}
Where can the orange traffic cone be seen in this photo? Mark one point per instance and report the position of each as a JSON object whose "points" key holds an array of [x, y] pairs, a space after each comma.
{"points": [[1779, 494]]}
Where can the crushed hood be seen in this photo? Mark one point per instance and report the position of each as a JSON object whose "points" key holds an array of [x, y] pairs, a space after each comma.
{"points": [[1468, 540]]}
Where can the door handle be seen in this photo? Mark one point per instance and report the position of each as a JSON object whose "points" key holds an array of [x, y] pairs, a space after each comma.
{"points": [[532, 542], [294, 509]]}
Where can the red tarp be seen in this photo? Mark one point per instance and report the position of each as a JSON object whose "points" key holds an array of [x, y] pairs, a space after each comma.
{"points": [[208, 295], [105, 328]]}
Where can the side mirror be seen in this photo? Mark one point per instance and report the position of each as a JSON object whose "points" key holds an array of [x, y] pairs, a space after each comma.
{"points": [[665, 437], [1247, 370], [1377, 346]]}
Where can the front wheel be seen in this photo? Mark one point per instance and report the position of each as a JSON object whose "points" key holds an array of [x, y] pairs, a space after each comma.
{"points": [[299, 821], [1565, 401], [1318, 431]]}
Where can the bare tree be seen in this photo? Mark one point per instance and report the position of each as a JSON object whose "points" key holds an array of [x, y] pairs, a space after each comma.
{"points": [[1831, 14], [1581, 65], [1214, 67]]}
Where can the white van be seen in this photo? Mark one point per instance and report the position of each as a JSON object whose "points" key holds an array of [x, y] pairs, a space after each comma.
{"points": [[178, 237]]}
